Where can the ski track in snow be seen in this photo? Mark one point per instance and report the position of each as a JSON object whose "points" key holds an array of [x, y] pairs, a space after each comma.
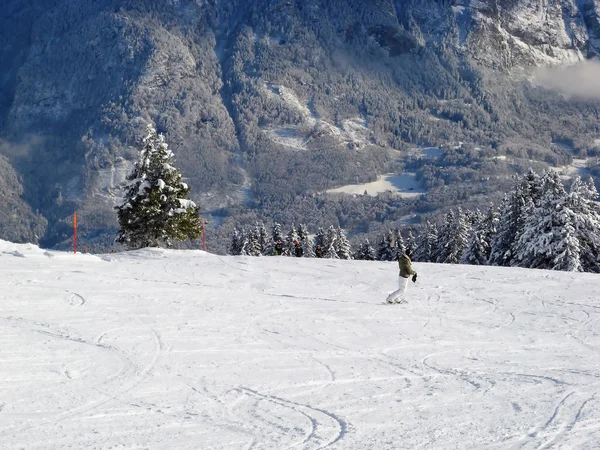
{"points": [[76, 299], [168, 349]]}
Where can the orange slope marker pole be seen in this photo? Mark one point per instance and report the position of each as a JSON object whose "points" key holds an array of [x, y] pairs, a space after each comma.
{"points": [[74, 232]]}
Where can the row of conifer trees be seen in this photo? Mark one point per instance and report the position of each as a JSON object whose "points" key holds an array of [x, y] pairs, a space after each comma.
{"points": [[257, 241], [540, 224]]}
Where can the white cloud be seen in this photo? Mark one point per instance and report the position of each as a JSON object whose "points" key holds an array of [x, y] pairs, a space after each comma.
{"points": [[580, 80]]}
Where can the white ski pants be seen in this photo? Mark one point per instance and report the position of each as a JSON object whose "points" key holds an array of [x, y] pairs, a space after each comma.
{"points": [[400, 292]]}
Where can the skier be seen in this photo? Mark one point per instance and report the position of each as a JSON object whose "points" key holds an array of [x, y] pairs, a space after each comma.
{"points": [[406, 271], [278, 248], [319, 252], [298, 249]]}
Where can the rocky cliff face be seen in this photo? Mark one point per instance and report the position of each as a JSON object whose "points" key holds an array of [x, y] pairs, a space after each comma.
{"points": [[268, 100], [532, 32]]}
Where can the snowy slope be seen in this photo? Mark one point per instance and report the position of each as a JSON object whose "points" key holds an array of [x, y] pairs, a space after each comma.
{"points": [[173, 349]]}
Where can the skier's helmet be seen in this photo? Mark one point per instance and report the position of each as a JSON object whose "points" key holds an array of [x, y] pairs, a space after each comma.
{"points": [[409, 252]]}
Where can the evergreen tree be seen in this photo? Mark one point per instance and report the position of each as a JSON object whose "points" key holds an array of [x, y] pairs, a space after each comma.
{"points": [[155, 208], [320, 238], [365, 252], [514, 211], [532, 186], [253, 247], [292, 237], [444, 235], [263, 240], [477, 251], [490, 224], [302, 232], [235, 248], [569, 251], [410, 241], [385, 250], [331, 244], [343, 248], [276, 235], [461, 238], [523, 205], [426, 245], [586, 221], [454, 239], [244, 243], [307, 245], [399, 248], [549, 240], [500, 251], [473, 218]]}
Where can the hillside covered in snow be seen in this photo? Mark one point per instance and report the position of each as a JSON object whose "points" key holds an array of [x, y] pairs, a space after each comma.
{"points": [[184, 349]]}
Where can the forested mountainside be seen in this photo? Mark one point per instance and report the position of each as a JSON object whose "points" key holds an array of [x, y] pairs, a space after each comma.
{"points": [[268, 104]]}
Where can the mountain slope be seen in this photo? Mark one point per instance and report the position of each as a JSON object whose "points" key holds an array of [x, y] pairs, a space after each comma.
{"points": [[267, 103], [184, 349]]}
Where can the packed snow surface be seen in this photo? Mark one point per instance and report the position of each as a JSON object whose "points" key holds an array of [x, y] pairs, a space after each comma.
{"points": [[188, 350]]}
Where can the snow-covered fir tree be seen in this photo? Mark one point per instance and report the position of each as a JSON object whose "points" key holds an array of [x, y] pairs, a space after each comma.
{"points": [[444, 232], [569, 250], [425, 250], [583, 201], [461, 237], [365, 252], [549, 239], [491, 225], [155, 208], [320, 238], [254, 248], [385, 249], [525, 199], [237, 243], [514, 210], [502, 241], [399, 247], [476, 250], [343, 249], [305, 241], [473, 217], [331, 250], [532, 186], [478, 247], [302, 231], [410, 241], [453, 237], [245, 243], [290, 242], [263, 239], [276, 235]]}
